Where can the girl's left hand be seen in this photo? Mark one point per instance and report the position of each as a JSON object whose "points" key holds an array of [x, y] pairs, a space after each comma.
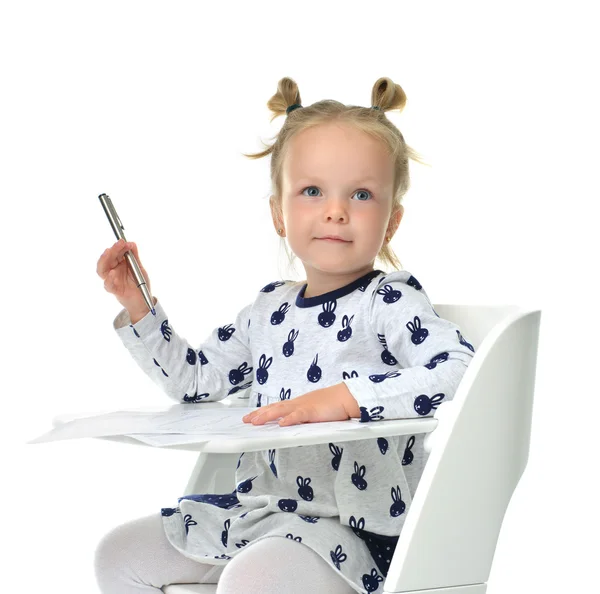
{"points": [[318, 406]]}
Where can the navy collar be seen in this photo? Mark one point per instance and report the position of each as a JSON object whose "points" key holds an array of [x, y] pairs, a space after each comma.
{"points": [[301, 301]]}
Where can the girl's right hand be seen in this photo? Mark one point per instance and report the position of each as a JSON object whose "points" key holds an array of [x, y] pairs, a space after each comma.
{"points": [[118, 278]]}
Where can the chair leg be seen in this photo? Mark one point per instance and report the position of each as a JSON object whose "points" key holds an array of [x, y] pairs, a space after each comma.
{"points": [[213, 473]]}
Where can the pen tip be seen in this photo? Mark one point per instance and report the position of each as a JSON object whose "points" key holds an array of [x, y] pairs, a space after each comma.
{"points": [[153, 311]]}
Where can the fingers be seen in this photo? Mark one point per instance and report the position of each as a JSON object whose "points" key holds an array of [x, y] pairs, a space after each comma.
{"points": [[251, 417], [256, 418], [110, 282], [294, 418], [112, 256], [265, 413]]}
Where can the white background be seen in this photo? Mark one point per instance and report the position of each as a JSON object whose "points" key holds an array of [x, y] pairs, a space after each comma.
{"points": [[154, 102]]}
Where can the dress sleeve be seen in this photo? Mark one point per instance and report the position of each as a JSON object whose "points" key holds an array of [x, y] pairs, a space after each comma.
{"points": [[218, 367], [427, 355]]}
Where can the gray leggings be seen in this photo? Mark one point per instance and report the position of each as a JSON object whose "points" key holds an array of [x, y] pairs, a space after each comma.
{"points": [[137, 558]]}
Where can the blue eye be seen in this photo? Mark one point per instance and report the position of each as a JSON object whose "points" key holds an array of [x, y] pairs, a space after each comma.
{"points": [[368, 191]]}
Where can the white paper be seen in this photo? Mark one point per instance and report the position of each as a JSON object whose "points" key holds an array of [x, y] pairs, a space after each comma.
{"points": [[180, 423], [246, 430], [176, 419]]}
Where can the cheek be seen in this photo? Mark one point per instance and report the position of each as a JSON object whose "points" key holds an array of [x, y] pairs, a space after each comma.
{"points": [[372, 221], [298, 215], [290, 210]]}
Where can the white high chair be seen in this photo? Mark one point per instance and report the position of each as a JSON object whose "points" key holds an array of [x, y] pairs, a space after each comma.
{"points": [[478, 446]]}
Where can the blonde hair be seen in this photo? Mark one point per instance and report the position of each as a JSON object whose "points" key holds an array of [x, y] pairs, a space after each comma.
{"points": [[386, 95]]}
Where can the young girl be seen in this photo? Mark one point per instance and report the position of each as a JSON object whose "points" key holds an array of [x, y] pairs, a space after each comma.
{"points": [[350, 341]]}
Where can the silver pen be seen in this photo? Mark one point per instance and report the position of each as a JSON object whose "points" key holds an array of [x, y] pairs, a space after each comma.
{"points": [[117, 227]]}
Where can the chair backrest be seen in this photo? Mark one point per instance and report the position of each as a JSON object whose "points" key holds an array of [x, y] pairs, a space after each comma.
{"points": [[478, 452]]}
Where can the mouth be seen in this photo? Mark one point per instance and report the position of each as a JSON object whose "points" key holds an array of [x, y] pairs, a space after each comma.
{"points": [[335, 239]]}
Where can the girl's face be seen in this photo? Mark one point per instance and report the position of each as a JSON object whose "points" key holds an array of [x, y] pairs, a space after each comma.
{"points": [[336, 180]]}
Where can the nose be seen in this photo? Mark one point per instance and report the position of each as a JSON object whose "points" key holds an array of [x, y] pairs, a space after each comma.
{"points": [[335, 209]]}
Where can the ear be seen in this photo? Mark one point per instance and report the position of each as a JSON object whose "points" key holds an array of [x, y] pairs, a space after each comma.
{"points": [[275, 214], [395, 221]]}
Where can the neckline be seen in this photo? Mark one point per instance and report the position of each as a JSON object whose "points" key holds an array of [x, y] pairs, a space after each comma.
{"points": [[302, 301]]}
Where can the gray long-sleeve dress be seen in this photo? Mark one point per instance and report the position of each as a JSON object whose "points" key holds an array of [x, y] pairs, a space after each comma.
{"points": [[346, 500]]}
